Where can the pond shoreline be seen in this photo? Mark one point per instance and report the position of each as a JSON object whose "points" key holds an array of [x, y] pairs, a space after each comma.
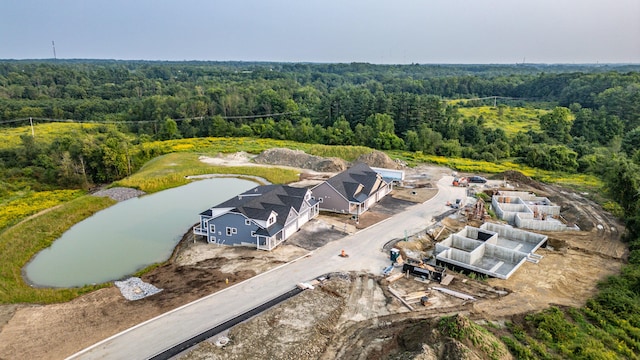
{"points": [[138, 236]]}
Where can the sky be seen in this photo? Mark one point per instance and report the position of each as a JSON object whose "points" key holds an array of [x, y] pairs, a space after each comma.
{"points": [[327, 31]]}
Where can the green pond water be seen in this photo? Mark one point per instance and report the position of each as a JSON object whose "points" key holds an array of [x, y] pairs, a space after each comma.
{"points": [[128, 236]]}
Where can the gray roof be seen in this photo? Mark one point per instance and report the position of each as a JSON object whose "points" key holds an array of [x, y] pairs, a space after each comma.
{"points": [[358, 177], [258, 203]]}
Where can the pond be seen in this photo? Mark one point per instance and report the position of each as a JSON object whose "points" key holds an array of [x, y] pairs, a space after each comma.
{"points": [[124, 238]]}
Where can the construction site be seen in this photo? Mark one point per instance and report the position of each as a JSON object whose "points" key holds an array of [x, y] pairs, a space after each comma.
{"points": [[463, 262]]}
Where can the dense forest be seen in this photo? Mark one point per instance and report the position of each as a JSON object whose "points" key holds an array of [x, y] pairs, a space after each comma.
{"points": [[588, 122], [412, 107]]}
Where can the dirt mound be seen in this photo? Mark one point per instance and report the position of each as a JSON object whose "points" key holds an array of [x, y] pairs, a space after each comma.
{"points": [[300, 159], [518, 177], [378, 159]]}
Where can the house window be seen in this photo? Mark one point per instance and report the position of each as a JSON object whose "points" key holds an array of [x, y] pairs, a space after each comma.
{"points": [[212, 228], [247, 222], [231, 231], [272, 220]]}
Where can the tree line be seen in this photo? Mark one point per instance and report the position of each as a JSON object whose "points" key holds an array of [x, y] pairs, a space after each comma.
{"points": [[380, 106]]}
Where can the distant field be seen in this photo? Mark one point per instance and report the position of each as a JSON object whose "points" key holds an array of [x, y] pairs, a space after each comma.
{"points": [[45, 132], [511, 119]]}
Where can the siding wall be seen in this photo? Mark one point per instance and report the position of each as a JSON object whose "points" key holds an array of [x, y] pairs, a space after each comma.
{"points": [[331, 200], [235, 221]]}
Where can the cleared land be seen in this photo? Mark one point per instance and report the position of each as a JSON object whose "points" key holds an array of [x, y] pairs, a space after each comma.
{"points": [[350, 311]]}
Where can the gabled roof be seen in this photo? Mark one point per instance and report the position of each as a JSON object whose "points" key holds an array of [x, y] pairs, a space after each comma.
{"points": [[260, 202], [357, 183]]}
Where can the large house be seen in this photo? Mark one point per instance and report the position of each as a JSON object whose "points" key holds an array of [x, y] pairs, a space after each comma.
{"points": [[352, 191], [264, 217]]}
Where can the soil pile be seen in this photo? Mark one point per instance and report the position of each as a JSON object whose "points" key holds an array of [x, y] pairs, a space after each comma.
{"points": [[300, 159], [378, 159], [520, 178]]}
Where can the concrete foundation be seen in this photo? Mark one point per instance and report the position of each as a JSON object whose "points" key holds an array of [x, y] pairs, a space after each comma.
{"points": [[494, 250], [525, 210]]}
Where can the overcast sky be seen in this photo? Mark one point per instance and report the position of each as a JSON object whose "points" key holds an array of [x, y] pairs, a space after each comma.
{"points": [[374, 31]]}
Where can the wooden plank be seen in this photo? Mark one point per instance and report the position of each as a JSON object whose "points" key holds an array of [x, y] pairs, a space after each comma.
{"points": [[395, 293], [416, 295], [447, 280], [394, 277]]}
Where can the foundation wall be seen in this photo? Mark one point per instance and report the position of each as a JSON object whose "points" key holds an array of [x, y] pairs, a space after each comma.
{"points": [[514, 234], [476, 255], [547, 209], [444, 245], [460, 256], [464, 243], [521, 194], [506, 255], [526, 221]]}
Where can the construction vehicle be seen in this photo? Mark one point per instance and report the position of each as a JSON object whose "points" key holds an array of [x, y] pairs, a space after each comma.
{"points": [[462, 182]]}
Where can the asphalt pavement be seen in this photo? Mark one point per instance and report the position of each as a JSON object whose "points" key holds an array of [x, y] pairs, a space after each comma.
{"points": [[151, 337]]}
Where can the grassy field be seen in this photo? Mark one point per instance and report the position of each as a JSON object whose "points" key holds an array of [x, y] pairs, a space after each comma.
{"points": [[44, 132], [25, 204], [511, 119], [19, 243]]}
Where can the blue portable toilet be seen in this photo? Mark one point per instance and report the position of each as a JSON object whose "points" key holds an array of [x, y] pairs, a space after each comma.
{"points": [[394, 254]]}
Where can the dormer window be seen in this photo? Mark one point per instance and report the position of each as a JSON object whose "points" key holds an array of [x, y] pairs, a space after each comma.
{"points": [[271, 220]]}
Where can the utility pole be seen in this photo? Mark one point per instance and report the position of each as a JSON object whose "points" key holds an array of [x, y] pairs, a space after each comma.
{"points": [[33, 133]]}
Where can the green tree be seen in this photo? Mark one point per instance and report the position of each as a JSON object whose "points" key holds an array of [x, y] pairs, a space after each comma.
{"points": [[169, 130], [631, 142], [379, 132], [449, 148], [552, 157], [340, 133], [557, 124]]}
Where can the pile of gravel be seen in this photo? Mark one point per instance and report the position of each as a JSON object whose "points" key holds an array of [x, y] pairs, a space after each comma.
{"points": [[119, 193], [135, 289]]}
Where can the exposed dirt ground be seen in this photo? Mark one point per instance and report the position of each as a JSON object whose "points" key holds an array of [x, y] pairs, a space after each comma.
{"points": [[350, 315]]}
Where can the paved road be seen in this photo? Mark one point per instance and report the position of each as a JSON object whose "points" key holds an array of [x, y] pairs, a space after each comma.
{"points": [[364, 248]]}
